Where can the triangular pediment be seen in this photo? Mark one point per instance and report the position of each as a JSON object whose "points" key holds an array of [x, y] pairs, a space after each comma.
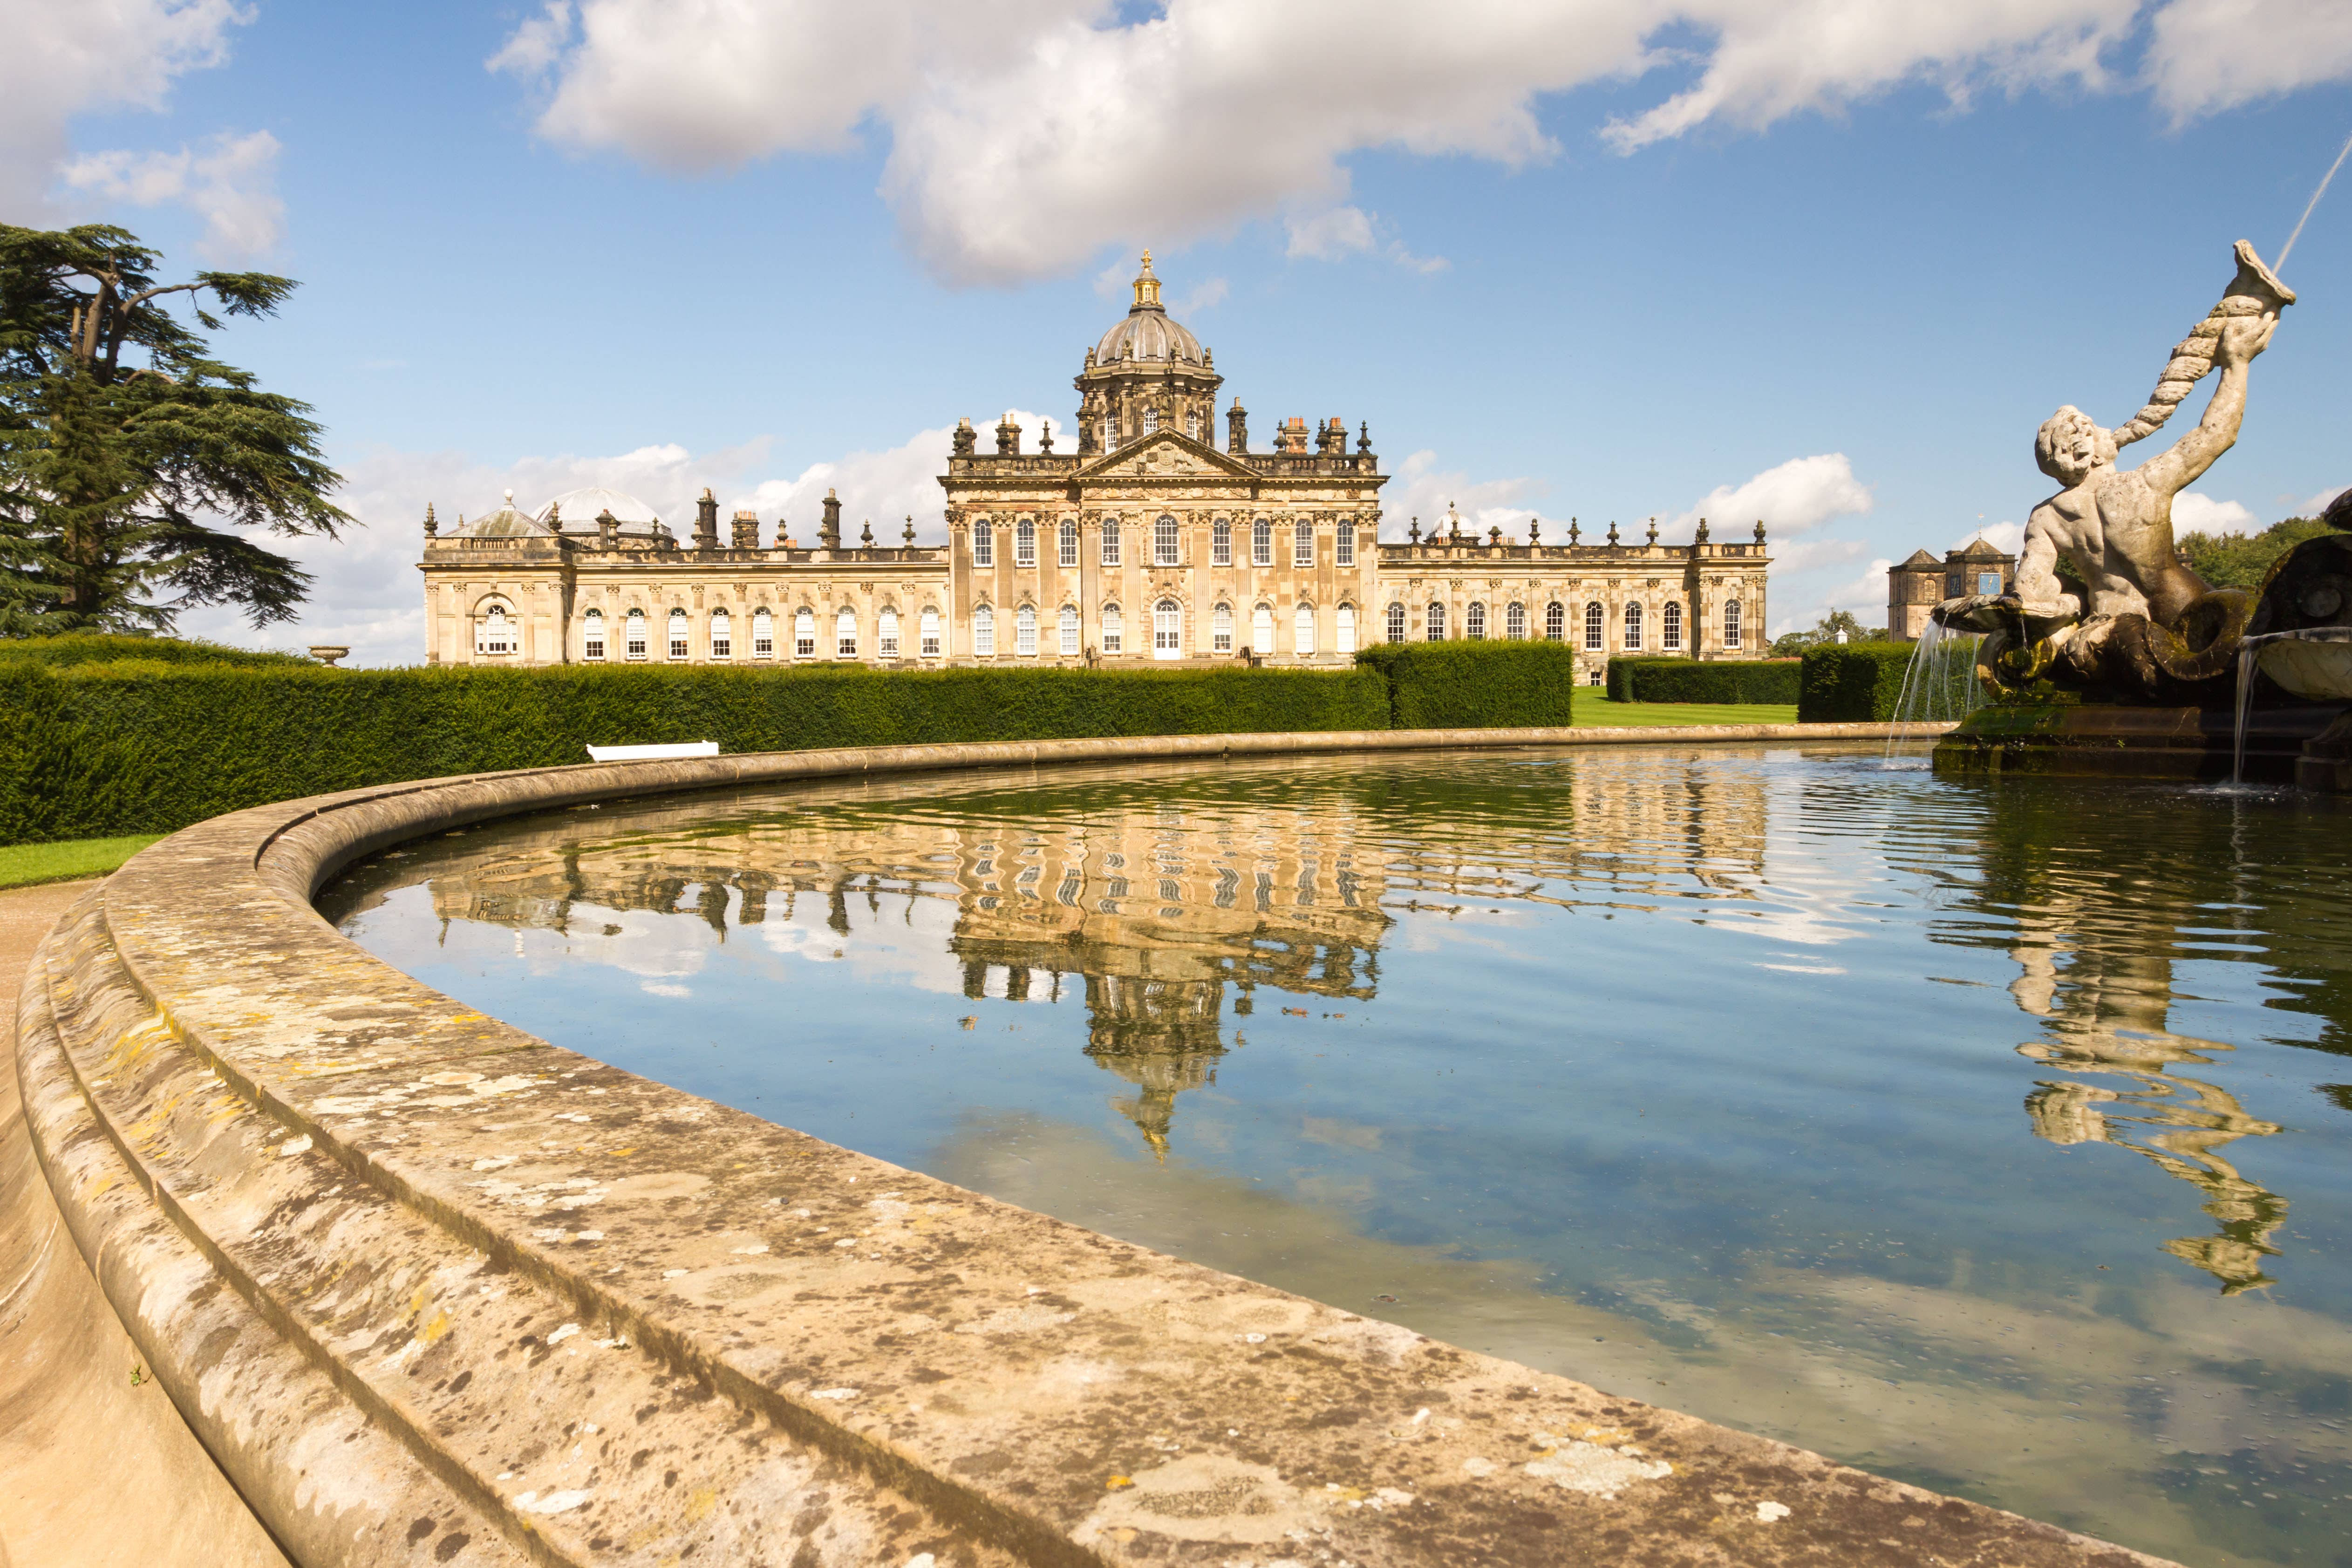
{"points": [[1165, 455]]}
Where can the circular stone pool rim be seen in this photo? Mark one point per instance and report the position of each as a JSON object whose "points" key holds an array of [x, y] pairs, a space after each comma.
{"points": [[430, 1289]]}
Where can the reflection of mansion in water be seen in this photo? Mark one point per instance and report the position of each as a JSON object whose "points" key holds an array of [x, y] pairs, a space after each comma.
{"points": [[1149, 541]]}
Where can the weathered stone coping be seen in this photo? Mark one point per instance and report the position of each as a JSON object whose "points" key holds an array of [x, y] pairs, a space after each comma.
{"points": [[431, 1290]]}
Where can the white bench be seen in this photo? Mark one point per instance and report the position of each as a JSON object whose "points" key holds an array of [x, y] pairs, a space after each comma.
{"points": [[653, 753]]}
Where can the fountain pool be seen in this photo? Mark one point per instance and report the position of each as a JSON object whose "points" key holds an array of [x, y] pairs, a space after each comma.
{"points": [[1992, 1135]]}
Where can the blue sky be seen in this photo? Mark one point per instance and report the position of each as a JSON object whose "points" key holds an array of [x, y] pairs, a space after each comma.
{"points": [[1614, 258]]}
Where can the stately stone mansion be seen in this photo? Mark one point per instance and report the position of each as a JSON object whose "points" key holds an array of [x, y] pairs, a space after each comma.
{"points": [[1149, 543]]}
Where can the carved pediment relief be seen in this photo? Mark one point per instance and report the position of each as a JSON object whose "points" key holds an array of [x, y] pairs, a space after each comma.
{"points": [[1164, 454]]}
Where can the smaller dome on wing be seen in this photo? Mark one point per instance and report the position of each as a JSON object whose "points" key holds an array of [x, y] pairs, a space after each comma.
{"points": [[575, 510], [505, 522]]}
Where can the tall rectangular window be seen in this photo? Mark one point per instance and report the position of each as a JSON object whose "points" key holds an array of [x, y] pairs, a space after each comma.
{"points": [[1345, 545], [1110, 542], [1731, 624], [1163, 542], [763, 635], [1221, 542], [1302, 544], [1262, 542], [1220, 630], [930, 634], [1069, 631], [805, 634], [678, 634], [1069, 556], [1114, 630], [983, 543], [886, 636], [1024, 631], [1396, 623], [1555, 622], [1024, 542], [1593, 629], [844, 634], [1670, 626], [722, 635], [984, 632], [592, 645]]}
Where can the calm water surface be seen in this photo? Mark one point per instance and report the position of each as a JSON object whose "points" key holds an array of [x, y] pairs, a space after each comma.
{"points": [[1993, 1136]]}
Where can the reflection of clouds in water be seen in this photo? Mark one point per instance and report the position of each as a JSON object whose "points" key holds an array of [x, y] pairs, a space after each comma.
{"points": [[907, 945], [635, 941], [663, 988]]}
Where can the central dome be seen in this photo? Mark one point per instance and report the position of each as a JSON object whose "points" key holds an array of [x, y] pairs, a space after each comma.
{"points": [[1148, 334]]}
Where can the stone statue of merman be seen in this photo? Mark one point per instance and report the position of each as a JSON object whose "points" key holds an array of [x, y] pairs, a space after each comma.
{"points": [[2142, 626]]}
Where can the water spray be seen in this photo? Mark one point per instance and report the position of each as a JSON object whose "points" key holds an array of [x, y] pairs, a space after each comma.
{"points": [[2315, 201]]}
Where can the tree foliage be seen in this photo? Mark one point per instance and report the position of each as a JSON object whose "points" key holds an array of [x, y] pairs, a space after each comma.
{"points": [[1792, 645], [128, 491], [2239, 560]]}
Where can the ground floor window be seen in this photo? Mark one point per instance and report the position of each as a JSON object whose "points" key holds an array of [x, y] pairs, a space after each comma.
{"points": [[1555, 622], [678, 634], [886, 636], [764, 634], [1731, 624], [844, 634], [930, 634], [591, 634], [1167, 629], [1344, 639], [636, 646], [1024, 631], [805, 634], [722, 635], [1262, 629], [1633, 629], [1302, 631], [1473, 624], [1593, 628], [1670, 625], [496, 635], [984, 632], [1436, 622], [1396, 623], [1114, 630], [1592, 676], [1220, 630], [1069, 630], [1514, 622]]}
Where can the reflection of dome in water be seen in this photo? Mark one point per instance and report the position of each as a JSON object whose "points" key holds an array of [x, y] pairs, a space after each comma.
{"points": [[1147, 333], [1161, 1036]]}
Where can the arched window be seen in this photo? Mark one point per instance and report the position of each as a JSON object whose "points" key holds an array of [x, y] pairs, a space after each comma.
{"points": [[1166, 630], [1192, 423], [1069, 552], [1670, 625], [983, 543], [984, 632], [1514, 622], [763, 635], [1343, 639], [1474, 623], [1343, 545], [1024, 631], [1110, 542], [844, 635], [1024, 542], [722, 635], [1262, 542], [930, 632], [1220, 627], [496, 635], [1221, 542], [1150, 418], [1731, 624], [1396, 623], [1262, 629], [591, 634], [886, 634], [1633, 629], [1114, 630], [803, 634], [1555, 622], [1302, 543], [1594, 629], [678, 634], [1302, 631], [1436, 621], [635, 644], [1069, 630], [1163, 542]]}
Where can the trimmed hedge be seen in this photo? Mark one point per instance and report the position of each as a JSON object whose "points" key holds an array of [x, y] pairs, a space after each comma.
{"points": [[97, 750], [1691, 680], [103, 647], [1465, 685], [1852, 682]]}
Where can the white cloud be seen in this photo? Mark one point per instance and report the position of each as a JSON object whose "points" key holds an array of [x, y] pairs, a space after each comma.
{"points": [[231, 183], [1419, 489], [1211, 292], [61, 60], [2195, 513], [1018, 128], [2206, 55], [1793, 498], [2009, 537]]}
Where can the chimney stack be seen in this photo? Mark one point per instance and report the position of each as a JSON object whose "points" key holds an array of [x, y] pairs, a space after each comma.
{"points": [[705, 521], [828, 533], [747, 531]]}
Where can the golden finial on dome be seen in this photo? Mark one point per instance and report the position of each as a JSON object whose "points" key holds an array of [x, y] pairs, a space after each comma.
{"points": [[1147, 286]]}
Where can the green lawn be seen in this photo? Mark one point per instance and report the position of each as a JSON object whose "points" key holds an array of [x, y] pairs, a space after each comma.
{"points": [[1592, 708], [22, 865]]}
